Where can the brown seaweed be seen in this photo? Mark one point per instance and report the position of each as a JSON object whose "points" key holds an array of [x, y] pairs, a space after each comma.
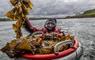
{"points": [[18, 13]]}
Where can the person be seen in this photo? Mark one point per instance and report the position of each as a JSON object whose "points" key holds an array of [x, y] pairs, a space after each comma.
{"points": [[49, 26]]}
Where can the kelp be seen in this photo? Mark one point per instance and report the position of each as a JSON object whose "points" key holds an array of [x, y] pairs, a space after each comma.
{"points": [[18, 13], [35, 45]]}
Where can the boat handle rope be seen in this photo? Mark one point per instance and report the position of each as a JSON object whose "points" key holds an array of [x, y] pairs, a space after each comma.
{"points": [[35, 33], [62, 43]]}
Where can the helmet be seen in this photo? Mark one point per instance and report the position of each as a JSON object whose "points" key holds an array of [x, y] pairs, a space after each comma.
{"points": [[50, 24]]}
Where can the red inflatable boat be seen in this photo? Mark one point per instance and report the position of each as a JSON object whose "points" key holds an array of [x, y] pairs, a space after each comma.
{"points": [[72, 53]]}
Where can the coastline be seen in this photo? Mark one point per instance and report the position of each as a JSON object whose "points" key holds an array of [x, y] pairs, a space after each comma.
{"points": [[43, 18]]}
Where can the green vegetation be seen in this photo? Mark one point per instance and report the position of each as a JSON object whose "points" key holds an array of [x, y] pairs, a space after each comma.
{"points": [[86, 14], [90, 13]]}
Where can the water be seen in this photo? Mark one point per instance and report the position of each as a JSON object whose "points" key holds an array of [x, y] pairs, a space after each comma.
{"points": [[83, 28]]}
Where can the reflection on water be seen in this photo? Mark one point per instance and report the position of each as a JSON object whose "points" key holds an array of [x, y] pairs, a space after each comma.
{"points": [[83, 28]]}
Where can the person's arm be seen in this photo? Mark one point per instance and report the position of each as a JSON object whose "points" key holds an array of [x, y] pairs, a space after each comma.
{"points": [[28, 26]]}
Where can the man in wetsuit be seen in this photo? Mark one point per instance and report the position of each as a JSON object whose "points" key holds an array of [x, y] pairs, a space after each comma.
{"points": [[49, 26]]}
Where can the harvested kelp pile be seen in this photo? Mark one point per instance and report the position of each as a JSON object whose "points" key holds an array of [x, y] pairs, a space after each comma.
{"points": [[37, 43]]}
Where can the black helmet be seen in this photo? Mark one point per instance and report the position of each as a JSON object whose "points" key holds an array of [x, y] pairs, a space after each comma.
{"points": [[53, 20], [50, 23]]}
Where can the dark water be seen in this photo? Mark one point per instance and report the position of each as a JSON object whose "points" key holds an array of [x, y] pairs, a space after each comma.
{"points": [[83, 29]]}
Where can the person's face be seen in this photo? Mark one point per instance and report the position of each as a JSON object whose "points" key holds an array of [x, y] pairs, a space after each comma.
{"points": [[50, 25]]}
